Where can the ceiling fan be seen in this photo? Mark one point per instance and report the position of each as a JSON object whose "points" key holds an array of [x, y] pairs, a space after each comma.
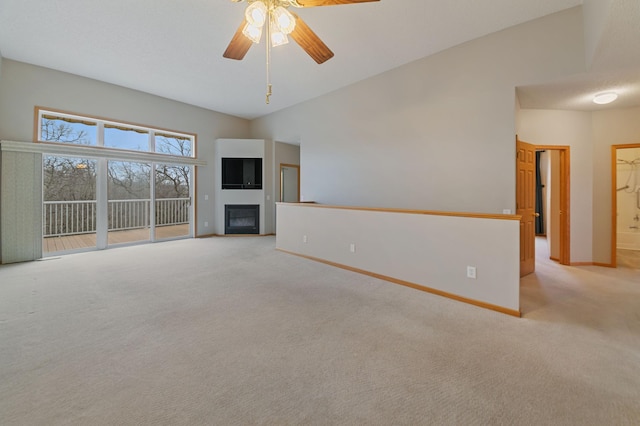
{"points": [[279, 22]]}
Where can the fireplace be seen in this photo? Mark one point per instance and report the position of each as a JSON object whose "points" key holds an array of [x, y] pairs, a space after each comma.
{"points": [[242, 219]]}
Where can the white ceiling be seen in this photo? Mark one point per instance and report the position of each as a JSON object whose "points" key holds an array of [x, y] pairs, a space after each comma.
{"points": [[173, 48]]}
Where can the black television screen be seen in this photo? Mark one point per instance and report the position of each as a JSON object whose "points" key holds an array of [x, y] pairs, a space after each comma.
{"points": [[242, 173]]}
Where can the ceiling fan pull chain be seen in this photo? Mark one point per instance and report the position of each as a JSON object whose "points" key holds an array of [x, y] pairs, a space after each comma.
{"points": [[268, 44]]}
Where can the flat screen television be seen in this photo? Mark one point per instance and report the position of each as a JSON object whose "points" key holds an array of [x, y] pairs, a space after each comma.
{"points": [[242, 173]]}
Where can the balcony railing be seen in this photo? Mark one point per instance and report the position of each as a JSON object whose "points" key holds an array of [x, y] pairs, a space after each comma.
{"points": [[79, 217]]}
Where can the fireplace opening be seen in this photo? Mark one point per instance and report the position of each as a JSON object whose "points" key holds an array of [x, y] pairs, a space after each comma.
{"points": [[242, 219]]}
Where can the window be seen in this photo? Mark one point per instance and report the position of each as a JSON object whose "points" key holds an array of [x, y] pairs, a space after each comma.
{"points": [[66, 129], [58, 127]]}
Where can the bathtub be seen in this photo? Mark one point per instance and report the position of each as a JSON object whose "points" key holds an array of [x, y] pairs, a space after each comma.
{"points": [[629, 240]]}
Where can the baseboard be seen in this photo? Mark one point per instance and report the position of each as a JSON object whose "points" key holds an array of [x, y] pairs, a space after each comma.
{"points": [[478, 303], [555, 259], [581, 264], [605, 265], [240, 235]]}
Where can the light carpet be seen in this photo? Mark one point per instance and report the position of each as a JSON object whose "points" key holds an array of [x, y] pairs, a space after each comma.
{"points": [[229, 331]]}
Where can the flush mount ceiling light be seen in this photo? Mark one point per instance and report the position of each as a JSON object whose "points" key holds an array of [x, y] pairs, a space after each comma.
{"points": [[279, 22], [605, 98]]}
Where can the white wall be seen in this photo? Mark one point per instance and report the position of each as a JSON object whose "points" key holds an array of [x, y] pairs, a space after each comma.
{"points": [[25, 86], [572, 128], [428, 250], [438, 133]]}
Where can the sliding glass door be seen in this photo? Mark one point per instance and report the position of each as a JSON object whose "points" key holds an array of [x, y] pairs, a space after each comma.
{"points": [[69, 203], [172, 201], [128, 202], [139, 202]]}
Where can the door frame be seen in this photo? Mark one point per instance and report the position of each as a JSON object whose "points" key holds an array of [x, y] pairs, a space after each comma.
{"points": [[614, 200], [282, 166], [565, 198]]}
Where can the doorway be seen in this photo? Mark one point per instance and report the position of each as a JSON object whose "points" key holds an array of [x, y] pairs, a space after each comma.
{"points": [[527, 169], [289, 183], [625, 206]]}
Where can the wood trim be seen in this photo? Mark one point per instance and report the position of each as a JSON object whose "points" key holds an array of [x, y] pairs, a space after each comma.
{"points": [[581, 264], [97, 152], [565, 205], [605, 265], [205, 236], [409, 211], [194, 179], [555, 259], [565, 200], [296, 166], [412, 285], [614, 202], [614, 208]]}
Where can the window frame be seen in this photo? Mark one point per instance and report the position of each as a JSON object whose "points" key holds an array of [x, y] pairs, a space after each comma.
{"points": [[101, 123]]}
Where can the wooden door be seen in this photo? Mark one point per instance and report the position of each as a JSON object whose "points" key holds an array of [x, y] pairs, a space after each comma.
{"points": [[525, 204]]}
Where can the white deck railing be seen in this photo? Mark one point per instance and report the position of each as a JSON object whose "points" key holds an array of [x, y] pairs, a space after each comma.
{"points": [[79, 217]]}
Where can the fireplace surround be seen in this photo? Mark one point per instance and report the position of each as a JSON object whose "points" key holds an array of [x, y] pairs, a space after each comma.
{"points": [[242, 219]]}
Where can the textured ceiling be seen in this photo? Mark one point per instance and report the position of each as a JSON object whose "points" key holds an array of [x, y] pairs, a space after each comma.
{"points": [[174, 48], [615, 67]]}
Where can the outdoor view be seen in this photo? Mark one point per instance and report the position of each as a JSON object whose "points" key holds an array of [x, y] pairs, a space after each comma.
{"points": [[72, 210]]}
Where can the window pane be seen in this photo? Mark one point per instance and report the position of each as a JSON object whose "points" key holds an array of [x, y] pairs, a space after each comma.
{"points": [[173, 204], [67, 130], [129, 203], [174, 145], [123, 138]]}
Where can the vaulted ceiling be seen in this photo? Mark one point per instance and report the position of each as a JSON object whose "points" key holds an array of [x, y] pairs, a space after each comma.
{"points": [[174, 48]]}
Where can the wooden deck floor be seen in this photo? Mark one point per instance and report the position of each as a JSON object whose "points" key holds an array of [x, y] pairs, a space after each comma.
{"points": [[82, 241]]}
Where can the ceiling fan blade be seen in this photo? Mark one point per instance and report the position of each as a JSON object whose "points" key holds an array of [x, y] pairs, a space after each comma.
{"points": [[310, 42], [239, 45], [313, 3]]}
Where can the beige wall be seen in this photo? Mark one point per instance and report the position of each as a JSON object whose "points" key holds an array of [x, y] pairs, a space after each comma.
{"points": [[590, 136], [24, 86], [437, 133], [429, 250], [283, 153], [610, 127], [572, 128]]}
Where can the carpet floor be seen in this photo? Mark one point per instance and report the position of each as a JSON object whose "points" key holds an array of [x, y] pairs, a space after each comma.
{"points": [[229, 331]]}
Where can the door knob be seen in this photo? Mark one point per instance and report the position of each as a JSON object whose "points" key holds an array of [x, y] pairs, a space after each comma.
{"points": [[536, 214]]}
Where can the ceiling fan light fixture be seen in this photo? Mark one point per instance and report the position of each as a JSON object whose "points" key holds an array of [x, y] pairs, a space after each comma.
{"points": [[605, 98], [278, 38], [252, 32], [256, 13], [284, 20]]}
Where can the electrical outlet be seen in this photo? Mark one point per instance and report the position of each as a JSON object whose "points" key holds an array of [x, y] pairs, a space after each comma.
{"points": [[206, 224], [206, 197], [352, 248], [304, 239], [506, 211], [471, 272]]}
